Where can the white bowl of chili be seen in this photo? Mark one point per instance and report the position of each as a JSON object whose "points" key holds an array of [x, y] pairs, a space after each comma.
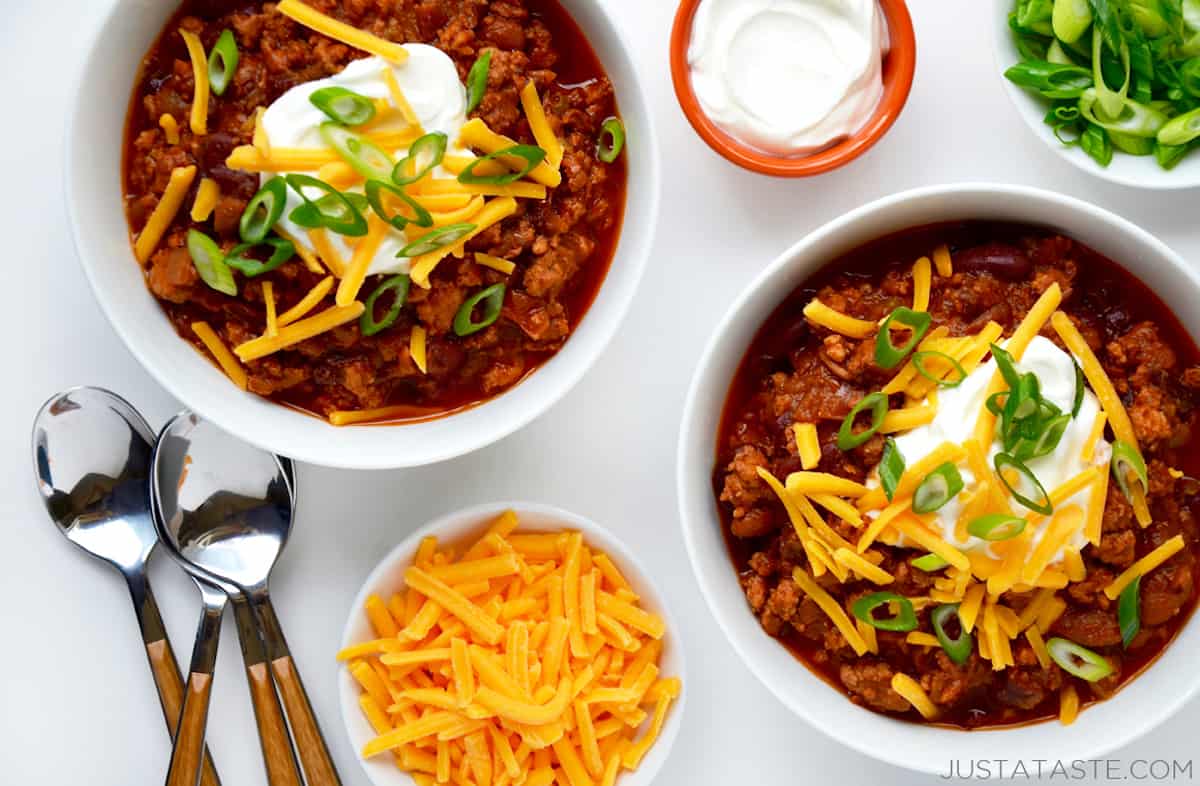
{"points": [[460, 530], [1146, 701], [95, 145]]}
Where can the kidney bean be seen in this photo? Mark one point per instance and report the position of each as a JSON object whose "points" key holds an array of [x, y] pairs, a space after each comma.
{"points": [[999, 259]]}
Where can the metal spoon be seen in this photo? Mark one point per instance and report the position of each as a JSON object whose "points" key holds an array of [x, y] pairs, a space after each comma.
{"points": [[91, 455], [278, 756], [231, 506]]}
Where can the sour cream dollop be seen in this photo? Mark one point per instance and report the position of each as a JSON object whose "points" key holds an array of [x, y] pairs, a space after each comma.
{"points": [[428, 80], [789, 77], [958, 410]]}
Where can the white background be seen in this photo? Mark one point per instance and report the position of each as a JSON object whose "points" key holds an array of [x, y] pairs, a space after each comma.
{"points": [[76, 701]]}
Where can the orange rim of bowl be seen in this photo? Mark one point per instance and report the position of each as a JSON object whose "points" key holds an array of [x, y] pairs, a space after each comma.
{"points": [[898, 69]]}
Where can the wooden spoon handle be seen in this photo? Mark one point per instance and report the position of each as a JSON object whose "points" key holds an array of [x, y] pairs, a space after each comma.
{"points": [[189, 737], [272, 732], [169, 681], [314, 755]]}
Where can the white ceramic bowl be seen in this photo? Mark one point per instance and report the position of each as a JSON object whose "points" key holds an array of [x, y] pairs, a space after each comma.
{"points": [[388, 577], [94, 200], [1146, 702], [1136, 171]]}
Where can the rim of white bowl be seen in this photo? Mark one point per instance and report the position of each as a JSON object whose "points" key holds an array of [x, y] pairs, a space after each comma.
{"points": [[544, 388], [381, 771], [1126, 170], [700, 520]]}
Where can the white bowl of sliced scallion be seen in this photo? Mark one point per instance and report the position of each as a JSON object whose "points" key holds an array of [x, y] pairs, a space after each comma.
{"points": [[1111, 85]]}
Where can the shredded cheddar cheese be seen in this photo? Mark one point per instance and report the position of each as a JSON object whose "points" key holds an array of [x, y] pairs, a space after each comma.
{"points": [[228, 363], [535, 113], [164, 212], [207, 195], [298, 331], [340, 31], [492, 213], [820, 314], [170, 128], [1144, 565], [199, 115], [268, 290], [942, 262], [808, 446], [499, 264], [836, 613], [921, 277], [915, 695], [307, 303], [417, 348], [482, 696], [476, 134]]}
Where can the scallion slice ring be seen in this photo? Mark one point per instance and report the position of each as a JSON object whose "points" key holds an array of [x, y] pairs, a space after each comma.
{"points": [[918, 361], [938, 487], [364, 156], [1041, 503], [887, 354], [343, 106], [1078, 661], [904, 619], [209, 262], [492, 299], [263, 211], [929, 563], [398, 286], [1127, 461], [438, 238], [891, 468], [611, 141], [996, 526], [222, 62], [848, 439], [423, 155], [1129, 613], [531, 154], [959, 647], [477, 79]]}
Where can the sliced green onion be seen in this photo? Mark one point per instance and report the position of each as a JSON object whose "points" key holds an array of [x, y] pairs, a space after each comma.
{"points": [[847, 438], [281, 251], [611, 141], [343, 106], [1129, 614], [492, 299], [905, 618], [1182, 129], [398, 286], [1080, 387], [929, 563], [1042, 504], [1078, 661], [373, 189], [1051, 80], [1046, 442], [995, 402], [887, 354], [918, 361], [477, 79], [222, 62], [1096, 143], [997, 526], [938, 488], [958, 648], [1111, 101], [438, 238], [1007, 366], [423, 155], [209, 262], [531, 154], [891, 467], [1131, 117], [1127, 461], [364, 156], [336, 213], [1071, 19], [263, 211]]}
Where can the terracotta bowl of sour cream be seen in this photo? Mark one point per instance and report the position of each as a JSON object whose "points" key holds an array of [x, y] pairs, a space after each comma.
{"points": [[728, 65]]}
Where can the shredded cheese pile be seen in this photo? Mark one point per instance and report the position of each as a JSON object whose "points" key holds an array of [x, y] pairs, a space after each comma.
{"points": [[448, 201], [525, 660], [975, 581]]}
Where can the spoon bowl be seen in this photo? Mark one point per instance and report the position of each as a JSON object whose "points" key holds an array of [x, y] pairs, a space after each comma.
{"points": [[226, 506], [91, 455]]}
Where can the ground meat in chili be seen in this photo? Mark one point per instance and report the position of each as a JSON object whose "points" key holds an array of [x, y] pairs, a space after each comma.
{"points": [[797, 372], [561, 246]]}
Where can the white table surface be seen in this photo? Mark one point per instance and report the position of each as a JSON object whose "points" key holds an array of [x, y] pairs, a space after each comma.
{"points": [[76, 701]]}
